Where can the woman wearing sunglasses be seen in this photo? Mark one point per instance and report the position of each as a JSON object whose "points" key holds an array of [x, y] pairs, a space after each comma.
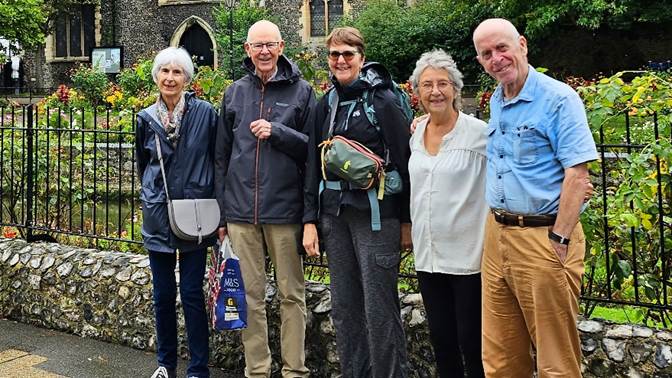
{"points": [[363, 259]]}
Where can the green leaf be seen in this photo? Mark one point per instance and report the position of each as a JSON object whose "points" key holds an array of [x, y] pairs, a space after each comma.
{"points": [[624, 268], [629, 219]]}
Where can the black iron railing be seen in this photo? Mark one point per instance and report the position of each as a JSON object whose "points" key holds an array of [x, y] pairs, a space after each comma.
{"points": [[26, 92], [69, 172], [72, 174], [628, 224]]}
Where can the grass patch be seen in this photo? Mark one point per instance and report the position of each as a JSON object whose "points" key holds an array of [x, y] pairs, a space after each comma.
{"points": [[628, 315]]}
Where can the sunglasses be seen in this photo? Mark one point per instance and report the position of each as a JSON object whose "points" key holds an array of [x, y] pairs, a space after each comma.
{"points": [[347, 55]]}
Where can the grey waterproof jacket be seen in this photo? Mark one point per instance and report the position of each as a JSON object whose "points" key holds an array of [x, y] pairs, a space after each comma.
{"points": [[261, 181], [189, 170]]}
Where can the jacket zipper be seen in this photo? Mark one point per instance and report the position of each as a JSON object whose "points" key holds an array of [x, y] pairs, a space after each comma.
{"points": [[256, 161]]}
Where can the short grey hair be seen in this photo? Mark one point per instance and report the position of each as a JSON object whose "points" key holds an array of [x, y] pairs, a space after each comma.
{"points": [[439, 60], [173, 55]]}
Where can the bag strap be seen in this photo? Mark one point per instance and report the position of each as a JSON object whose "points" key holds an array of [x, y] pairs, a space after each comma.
{"points": [[333, 108], [163, 171]]}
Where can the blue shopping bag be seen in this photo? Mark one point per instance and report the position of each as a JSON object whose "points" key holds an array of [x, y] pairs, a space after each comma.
{"points": [[228, 304]]}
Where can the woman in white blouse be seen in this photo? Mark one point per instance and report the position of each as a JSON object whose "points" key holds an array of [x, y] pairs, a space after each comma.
{"points": [[448, 212]]}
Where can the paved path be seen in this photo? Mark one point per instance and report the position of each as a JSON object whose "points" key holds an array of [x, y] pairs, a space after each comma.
{"points": [[27, 351]]}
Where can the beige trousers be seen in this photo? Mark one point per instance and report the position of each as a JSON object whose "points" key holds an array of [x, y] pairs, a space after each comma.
{"points": [[281, 242], [530, 300]]}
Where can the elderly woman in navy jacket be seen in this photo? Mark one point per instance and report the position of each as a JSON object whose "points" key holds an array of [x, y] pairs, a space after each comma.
{"points": [[186, 128]]}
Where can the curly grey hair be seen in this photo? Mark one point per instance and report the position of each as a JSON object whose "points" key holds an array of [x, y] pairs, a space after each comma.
{"points": [[173, 55], [440, 60]]}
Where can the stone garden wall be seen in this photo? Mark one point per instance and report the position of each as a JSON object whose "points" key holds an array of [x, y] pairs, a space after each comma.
{"points": [[107, 295]]}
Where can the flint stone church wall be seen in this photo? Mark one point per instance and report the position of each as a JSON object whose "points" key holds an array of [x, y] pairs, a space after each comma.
{"points": [[108, 296]]}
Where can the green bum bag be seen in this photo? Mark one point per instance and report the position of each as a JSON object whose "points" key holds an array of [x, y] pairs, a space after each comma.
{"points": [[358, 167], [352, 162]]}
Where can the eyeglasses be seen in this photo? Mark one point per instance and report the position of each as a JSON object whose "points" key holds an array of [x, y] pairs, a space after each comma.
{"points": [[347, 55], [258, 46], [427, 86]]}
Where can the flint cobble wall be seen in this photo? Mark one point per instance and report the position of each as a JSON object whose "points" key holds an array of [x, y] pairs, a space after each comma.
{"points": [[107, 295]]}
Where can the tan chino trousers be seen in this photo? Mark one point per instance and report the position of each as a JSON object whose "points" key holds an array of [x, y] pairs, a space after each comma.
{"points": [[530, 300], [281, 242]]}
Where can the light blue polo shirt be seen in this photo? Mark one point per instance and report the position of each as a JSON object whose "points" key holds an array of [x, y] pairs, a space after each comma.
{"points": [[532, 138]]}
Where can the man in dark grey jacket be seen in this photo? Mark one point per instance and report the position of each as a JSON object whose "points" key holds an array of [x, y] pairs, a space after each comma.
{"points": [[260, 158]]}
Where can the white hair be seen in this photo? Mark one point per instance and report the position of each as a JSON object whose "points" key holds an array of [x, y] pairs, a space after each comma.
{"points": [[177, 56], [439, 60]]}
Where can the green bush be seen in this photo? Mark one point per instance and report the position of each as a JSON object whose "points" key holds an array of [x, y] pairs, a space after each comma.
{"points": [[396, 35], [209, 85], [90, 82], [637, 188], [244, 15], [137, 79]]}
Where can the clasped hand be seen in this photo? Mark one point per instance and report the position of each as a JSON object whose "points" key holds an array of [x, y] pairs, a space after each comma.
{"points": [[261, 128]]}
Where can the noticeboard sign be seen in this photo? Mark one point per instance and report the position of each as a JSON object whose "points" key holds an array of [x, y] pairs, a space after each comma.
{"points": [[107, 59]]}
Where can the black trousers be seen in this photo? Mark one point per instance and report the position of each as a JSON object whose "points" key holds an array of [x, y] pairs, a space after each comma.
{"points": [[453, 306]]}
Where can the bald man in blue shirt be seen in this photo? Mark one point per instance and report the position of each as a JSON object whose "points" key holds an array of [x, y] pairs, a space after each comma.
{"points": [[538, 147]]}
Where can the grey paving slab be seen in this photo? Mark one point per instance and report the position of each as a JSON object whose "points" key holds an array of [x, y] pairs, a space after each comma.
{"points": [[28, 351]]}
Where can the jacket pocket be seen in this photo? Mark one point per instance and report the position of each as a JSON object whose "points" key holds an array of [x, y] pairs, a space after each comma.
{"points": [[155, 223], [284, 113], [152, 189]]}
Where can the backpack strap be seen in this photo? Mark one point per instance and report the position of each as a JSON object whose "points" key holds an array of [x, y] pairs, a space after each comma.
{"points": [[333, 109], [375, 209], [370, 112], [373, 194]]}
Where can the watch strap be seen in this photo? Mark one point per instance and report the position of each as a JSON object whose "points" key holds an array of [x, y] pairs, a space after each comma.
{"points": [[558, 238]]}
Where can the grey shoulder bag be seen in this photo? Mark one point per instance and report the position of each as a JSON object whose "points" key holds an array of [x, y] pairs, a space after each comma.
{"points": [[190, 219]]}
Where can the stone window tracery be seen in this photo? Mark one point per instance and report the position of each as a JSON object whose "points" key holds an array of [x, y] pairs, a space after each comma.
{"points": [[324, 16], [75, 33]]}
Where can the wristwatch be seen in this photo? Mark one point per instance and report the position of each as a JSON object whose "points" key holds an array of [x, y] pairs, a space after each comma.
{"points": [[558, 238]]}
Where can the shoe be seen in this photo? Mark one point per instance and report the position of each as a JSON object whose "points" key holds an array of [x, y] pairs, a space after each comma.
{"points": [[162, 372]]}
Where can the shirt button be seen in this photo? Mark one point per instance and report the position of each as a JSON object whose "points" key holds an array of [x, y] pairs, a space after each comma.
{"points": [[501, 200], [499, 176], [501, 156], [502, 132]]}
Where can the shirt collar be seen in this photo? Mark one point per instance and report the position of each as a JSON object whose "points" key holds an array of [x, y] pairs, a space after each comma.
{"points": [[275, 72], [526, 94]]}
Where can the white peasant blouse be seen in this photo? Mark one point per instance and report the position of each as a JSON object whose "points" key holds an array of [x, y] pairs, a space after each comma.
{"points": [[448, 208]]}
